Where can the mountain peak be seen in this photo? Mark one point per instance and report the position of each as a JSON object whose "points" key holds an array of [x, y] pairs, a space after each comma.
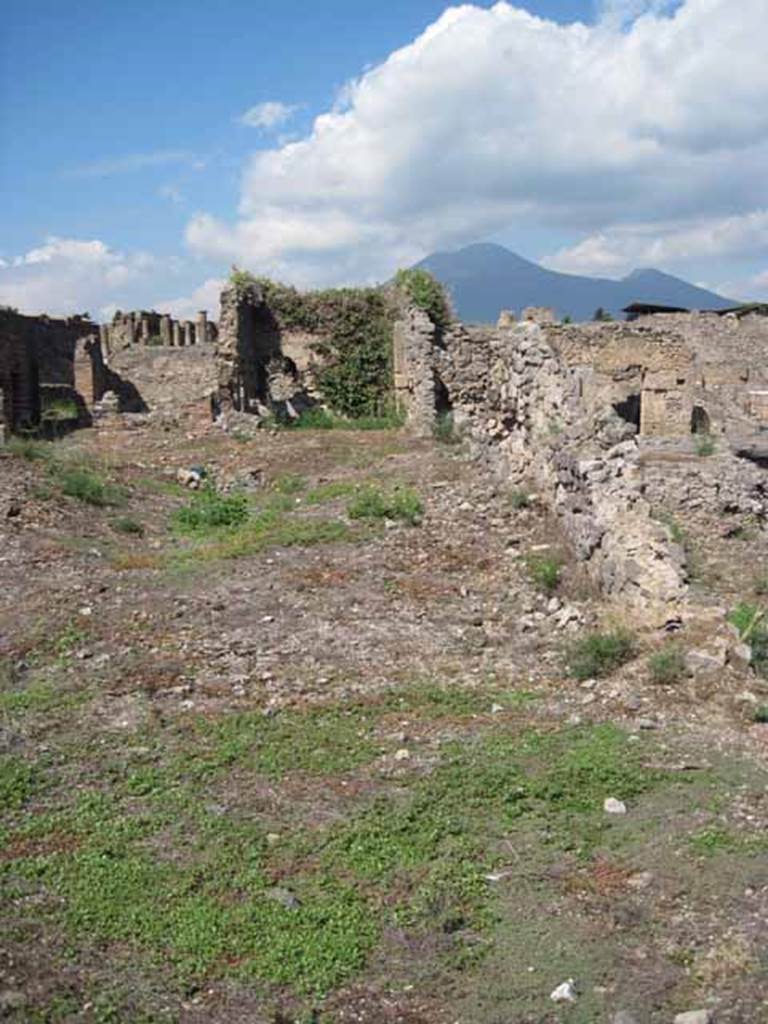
{"points": [[484, 278]]}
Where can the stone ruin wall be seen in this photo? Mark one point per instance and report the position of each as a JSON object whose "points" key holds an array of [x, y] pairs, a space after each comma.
{"points": [[261, 367], [42, 360], [579, 411], [149, 328]]}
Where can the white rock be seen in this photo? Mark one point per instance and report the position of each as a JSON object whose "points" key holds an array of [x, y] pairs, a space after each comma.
{"points": [[614, 806], [695, 1017], [403, 755], [496, 708], [565, 993]]}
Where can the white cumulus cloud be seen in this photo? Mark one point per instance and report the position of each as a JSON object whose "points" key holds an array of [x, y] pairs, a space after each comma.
{"points": [[494, 118], [620, 248], [68, 275]]}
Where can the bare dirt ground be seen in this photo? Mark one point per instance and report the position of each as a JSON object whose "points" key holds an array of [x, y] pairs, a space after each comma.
{"points": [[315, 766]]}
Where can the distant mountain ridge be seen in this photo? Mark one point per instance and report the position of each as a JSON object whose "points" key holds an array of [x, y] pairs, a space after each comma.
{"points": [[485, 278]]}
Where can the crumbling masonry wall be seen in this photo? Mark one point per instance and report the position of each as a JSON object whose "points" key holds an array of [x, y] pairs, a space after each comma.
{"points": [[580, 410], [37, 364], [149, 328]]}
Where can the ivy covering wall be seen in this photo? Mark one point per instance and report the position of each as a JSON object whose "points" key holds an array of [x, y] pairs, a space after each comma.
{"points": [[354, 329]]}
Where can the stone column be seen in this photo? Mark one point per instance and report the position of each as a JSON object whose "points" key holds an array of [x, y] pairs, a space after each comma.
{"points": [[165, 329], [177, 339], [201, 328], [104, 338], [144, 330], [189, 333]]}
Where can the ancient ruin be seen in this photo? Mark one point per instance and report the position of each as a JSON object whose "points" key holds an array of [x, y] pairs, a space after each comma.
{"points": [[600, 417]]}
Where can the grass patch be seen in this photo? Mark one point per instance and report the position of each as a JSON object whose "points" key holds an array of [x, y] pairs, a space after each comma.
{"points": [[267, 528], [19, 780], [544, 572], [289, 484], [598, 654], [89, 487], [717, 840], [667, 665], [138, 857], [28, 449], [371, 502], [331, 491], [209, 512], [324, 419], [317, 742]]}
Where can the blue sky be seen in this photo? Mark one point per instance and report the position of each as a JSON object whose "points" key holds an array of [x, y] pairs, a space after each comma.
{"points": [[139, 160]]}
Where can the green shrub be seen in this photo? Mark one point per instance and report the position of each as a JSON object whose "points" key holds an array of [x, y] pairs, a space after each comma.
{"points": [[210, 511], [598, 654], [81, 483], [370, 502], [667, 665], [761, 715], [427, 293], [545, 571]]}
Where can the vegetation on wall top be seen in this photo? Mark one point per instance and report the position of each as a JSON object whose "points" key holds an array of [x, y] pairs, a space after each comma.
{"points": [[426, 292], [354, 329]]}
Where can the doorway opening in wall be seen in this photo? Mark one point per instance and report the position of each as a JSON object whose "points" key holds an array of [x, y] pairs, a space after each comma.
{"points": [[700, 421], [629, 410]]}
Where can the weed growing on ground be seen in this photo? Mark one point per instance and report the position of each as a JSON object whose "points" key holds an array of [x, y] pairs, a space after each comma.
{"points": [[667, 665], [87, 486], [678, 535], [751, 620], [18, 781], [323, 419], [544, 572], [371, 502], [760, 717], [209, 512], [125, 524], [712, 841], [29, 449], [330, 492], [289, 484], [599, 654], [267, 528], [519, 499], [705, 445], [444, 429]]}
